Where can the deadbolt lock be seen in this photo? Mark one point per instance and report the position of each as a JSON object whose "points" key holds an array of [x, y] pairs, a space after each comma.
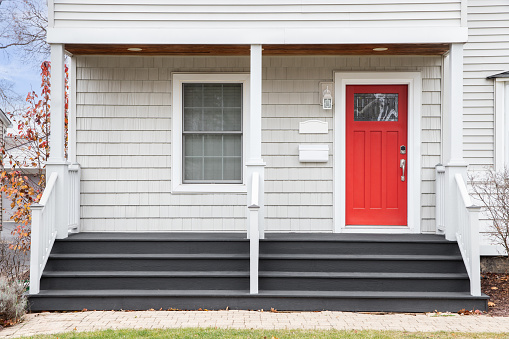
{"points": [[402, 149]]}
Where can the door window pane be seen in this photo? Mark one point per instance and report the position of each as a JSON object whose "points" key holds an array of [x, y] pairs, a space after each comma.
{"points": [[375, 107]]}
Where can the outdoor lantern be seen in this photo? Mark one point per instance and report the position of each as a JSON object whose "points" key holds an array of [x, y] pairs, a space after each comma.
{"points": [[327, 99]]}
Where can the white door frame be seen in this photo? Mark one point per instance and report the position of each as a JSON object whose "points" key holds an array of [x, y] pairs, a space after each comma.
{"points": [[414, 82]]}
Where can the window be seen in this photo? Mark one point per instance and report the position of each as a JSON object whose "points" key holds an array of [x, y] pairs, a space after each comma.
{"points": [[208, 124], [212, 133]]}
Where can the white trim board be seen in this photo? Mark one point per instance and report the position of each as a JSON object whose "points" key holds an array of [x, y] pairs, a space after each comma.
{"points": [[501, 123], [414, 82], [176, 158]]}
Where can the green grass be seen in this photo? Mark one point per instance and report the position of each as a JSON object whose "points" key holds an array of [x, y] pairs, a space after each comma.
{"points": [[210, 333]]}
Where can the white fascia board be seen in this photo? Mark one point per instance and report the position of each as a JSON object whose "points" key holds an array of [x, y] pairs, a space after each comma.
{"points": [[353, 35]]}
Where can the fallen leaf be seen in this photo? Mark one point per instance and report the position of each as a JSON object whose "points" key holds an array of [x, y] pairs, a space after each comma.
{"points": [[494, 288], [491, 304]]}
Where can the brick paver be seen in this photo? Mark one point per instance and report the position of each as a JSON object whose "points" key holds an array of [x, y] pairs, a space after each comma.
{"points": [[49, 323]]}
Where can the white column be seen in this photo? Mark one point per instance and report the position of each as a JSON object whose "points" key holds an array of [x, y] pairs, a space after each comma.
{"points": [[453, 134], [57, 146], [57, 162], [254, 134]]}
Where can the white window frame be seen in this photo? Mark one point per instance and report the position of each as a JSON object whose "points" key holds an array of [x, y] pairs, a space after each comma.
{"points": [[501, 123], [176, 159]]}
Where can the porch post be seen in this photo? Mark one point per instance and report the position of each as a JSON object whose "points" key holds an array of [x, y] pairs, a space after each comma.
{"points": [[453, 134], [254, 134], [57, 162]]}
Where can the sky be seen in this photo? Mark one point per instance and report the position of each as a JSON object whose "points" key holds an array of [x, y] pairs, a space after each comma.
{"points": [[24, 76]]}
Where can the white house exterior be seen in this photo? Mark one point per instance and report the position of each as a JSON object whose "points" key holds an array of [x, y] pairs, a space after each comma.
{"points": [[207, 116]]}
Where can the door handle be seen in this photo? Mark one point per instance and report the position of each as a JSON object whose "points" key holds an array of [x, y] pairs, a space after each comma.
{"points": [[402, 164]]}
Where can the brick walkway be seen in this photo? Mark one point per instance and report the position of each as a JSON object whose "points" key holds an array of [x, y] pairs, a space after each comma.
{"points": [[48, 323]]}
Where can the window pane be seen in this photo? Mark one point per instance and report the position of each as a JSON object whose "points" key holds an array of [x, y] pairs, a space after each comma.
{"points": [[232, 168], [232, 145], [213, 168], [375, 107], [193, 95], [232, 95], [193, 144], [232, 119], [193, 119], [212, 95], [193, 168], [212, 119], [213, 145]]}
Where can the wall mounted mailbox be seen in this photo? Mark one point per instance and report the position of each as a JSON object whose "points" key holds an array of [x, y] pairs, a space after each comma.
{"points": [[313, 153]]}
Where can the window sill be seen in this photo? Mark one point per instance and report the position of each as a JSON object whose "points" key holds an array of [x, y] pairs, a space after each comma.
{"points": [[209, 188]]}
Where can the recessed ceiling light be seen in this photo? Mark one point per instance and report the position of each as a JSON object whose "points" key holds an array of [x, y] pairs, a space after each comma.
{"points": [[380, 49], [135, 49]]}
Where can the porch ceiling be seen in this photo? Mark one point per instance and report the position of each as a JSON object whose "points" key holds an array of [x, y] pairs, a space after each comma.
{"points": [[357, 49]]}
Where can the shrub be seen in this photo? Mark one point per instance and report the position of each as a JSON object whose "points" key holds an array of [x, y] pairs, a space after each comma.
{"points": [[492, 190], [13, 301]]}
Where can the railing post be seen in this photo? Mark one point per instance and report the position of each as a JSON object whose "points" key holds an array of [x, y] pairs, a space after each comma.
{"points": [[439, 199], [35, 248], [475, 260], [74, 197]]}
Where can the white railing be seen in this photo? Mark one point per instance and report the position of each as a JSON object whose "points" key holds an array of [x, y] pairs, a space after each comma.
{"points": [[440, 198], [44, 232], [74, 198], [254, 233], [468, 234]]}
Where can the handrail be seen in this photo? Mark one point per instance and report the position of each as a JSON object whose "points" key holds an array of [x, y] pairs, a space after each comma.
{"points": [[44, 232], [49, 189], [467, 234], [254, 233]]}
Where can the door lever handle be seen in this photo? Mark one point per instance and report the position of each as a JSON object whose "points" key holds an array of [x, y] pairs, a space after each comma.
{"points": [[402, 164]]}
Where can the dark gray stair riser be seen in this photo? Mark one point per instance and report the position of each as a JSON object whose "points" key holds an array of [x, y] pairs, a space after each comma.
{"points": [[348, 265], [145, 283], [87, 264], [359, 284], [258, 303], [379, 248], [151, 247]]}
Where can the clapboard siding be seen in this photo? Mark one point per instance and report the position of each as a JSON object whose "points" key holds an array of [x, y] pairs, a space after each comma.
{"points": [[257, 14], [124, 142], [486, 53]]}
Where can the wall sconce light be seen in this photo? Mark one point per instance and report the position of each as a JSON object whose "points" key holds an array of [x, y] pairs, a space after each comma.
{"points": [[327, 98]]}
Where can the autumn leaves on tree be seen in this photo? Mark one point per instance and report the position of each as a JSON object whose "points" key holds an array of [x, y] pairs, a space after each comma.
{"points": [[27, 154]]}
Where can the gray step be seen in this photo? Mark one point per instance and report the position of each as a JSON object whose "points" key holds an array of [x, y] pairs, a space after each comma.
{"points": [[362, 301], [148, 262], [211, 280], [362, 263], [367, 281], [152, 246], [335, 246]]}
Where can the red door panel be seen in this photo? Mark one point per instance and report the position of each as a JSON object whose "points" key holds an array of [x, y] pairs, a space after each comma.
{"points": [[376, 128]]}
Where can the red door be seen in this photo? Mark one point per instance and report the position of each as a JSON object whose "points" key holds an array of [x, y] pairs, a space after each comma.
{"points": [[376, 145]]}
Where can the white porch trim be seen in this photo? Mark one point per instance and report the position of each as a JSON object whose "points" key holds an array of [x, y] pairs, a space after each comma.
{"points": [[501, 123], [233, 35], [414, 82]]}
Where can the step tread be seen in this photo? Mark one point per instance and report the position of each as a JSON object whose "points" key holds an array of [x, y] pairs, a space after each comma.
{"points": [[154, 236], [361, 256], [144, 274], [363, 275], [148, 256], [245, 293]]}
